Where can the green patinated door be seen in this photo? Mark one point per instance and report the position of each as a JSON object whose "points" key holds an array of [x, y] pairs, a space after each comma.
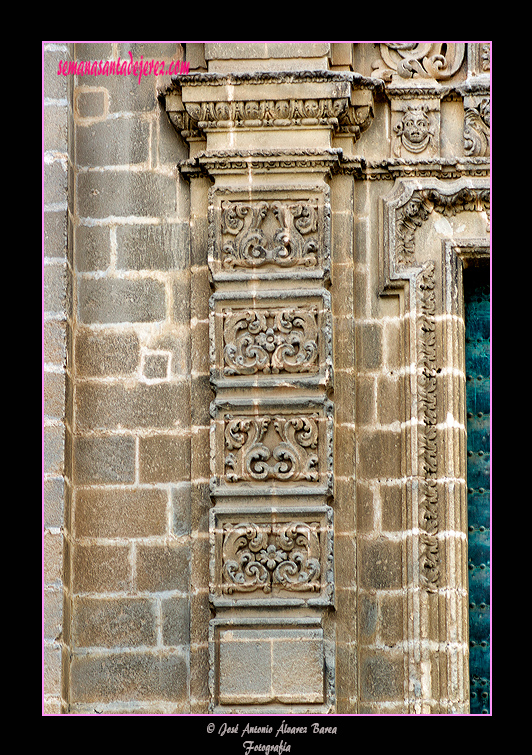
{"points": [[477, 357]]}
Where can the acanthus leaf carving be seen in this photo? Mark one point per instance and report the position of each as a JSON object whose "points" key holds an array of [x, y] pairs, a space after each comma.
{"points": [[270, 341], [262, 556], [292, 242], [477, 130]]}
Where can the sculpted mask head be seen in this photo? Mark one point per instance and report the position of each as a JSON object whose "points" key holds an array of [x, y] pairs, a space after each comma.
{"points": [[414, 129]]}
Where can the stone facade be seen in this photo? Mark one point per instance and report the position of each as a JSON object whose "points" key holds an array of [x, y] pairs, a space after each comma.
{"points": [[254, 407]]}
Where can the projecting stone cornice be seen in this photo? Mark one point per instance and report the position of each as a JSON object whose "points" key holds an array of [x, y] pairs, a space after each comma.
{"points": [[262, 160], [203, 103], [269, 77]]}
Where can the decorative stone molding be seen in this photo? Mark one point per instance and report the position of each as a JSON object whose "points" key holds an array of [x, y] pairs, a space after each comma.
{"points": [[427, 371], [422, 203], [430, 226], [258, 161], [282, 447], [398, 167]]}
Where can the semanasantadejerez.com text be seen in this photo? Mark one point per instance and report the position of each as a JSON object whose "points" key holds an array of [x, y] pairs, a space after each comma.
{"points": [[137, 68]]}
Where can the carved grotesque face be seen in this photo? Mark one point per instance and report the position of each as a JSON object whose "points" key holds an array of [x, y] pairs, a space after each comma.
{"points": [[415, 126]]}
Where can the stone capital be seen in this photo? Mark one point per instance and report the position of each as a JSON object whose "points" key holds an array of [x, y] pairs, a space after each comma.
{"points": [[241, 110]]}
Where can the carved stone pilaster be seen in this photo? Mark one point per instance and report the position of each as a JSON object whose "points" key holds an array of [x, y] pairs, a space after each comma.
{"points": [[270, 328]]}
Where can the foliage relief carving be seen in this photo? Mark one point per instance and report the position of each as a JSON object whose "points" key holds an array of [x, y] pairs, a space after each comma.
{"points": [[427, 396], [289, 455], [477, 130], [289, 240], [270, 341], [261, 556], [433, 60]]}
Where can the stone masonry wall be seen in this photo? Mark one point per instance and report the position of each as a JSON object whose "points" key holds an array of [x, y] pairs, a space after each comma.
{"points": [[147, 186], [57, 329], [129, 556]]}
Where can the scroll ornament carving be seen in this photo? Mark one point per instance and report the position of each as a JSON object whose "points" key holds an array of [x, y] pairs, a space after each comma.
{"points": [[270, 341], [432, 60], [246, 243], [412, 215], [291, 455], [260, 556], [477, 130]]}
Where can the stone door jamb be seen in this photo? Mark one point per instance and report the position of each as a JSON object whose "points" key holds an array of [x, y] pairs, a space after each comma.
{"points": [[434, 462]]}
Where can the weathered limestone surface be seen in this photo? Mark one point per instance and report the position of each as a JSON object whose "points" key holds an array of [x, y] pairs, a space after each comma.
{"points": [[254, 431]]}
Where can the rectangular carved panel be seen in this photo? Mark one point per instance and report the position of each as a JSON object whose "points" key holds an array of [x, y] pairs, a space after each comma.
{"points": [[271, 556], [270, 234], [271, 336], [275, 446]]}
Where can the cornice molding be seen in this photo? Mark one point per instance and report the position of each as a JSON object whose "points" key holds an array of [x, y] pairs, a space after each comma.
{"points": [[394, 168], [211, 162], [273, 77], [284, 100]]}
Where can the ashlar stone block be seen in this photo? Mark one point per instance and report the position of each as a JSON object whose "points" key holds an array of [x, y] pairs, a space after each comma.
{"points": [[265, 666]]}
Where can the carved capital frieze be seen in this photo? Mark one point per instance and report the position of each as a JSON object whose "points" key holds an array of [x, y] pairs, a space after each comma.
{"points": [[206, 103]]}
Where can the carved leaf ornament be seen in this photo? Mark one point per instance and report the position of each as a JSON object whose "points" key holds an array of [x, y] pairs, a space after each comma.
{"points": [[435, 60], [292, 458], [260, 556], [248, 244], [270, 341]]}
